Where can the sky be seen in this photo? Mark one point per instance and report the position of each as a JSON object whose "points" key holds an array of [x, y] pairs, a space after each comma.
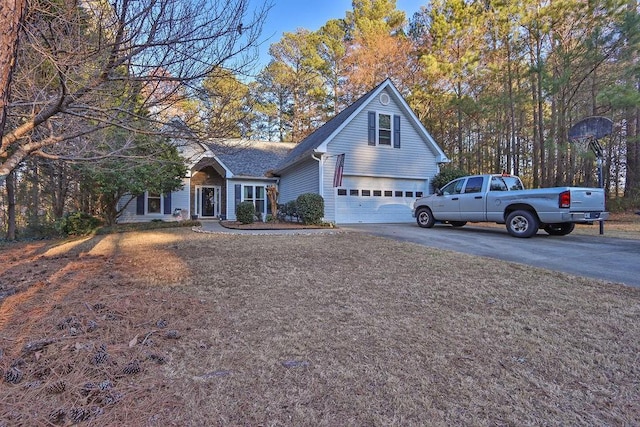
{"points": [[289, 15]]}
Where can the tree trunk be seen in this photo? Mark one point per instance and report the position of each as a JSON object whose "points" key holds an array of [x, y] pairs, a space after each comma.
{"points": [[11, 206], [461, 159], [11, 16], [632, 181]]}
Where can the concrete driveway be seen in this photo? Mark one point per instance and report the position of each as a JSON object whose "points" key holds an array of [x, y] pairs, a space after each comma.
{"points": [[599, 257]]}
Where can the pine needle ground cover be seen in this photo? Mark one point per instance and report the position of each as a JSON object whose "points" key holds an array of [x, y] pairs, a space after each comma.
{"points": [[171, 327]]}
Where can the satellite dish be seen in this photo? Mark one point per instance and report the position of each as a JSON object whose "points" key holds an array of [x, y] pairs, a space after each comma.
{"points": [[592, 127]]}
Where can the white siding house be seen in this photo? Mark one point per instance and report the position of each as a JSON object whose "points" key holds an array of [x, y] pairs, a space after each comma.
{"points": [[221, 174], [389, 160]]}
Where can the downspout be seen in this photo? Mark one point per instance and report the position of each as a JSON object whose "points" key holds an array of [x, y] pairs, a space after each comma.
{"points": [[320, 173]]}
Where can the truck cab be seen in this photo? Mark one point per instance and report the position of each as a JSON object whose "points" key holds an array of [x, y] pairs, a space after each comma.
{"points": [[464, 199]]}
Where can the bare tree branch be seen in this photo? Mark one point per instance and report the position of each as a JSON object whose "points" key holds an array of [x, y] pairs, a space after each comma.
{"points": [[129, 64]]}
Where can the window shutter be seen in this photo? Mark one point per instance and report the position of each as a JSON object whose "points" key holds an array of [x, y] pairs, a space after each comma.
{"points": [[396, 131], [238, 194], [140, 204], [167, 204], [372, 128]]}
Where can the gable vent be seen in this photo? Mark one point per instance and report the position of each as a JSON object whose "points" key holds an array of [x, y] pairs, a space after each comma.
{"points": [[384, 99]]}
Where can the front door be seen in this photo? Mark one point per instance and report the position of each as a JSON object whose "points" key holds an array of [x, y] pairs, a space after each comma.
{"points": [[207, 201]]}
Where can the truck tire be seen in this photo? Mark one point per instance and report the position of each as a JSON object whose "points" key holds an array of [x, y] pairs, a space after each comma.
{"points": [[559, 229], [424, 218], [522, 224]]}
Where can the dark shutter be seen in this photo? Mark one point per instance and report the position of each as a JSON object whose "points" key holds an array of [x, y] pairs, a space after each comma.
{"points": [[167, 204], [140, 205], [238, 194], [396, 131], [372, 128]]}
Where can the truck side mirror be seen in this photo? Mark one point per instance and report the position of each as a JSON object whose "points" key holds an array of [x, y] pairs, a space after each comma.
{"points": [[438, 192]]}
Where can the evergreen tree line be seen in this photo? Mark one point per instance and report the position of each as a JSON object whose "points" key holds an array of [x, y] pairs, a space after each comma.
{"points": [[498, 84]]}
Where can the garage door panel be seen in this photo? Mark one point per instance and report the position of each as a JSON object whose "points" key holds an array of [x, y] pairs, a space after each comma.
{"points": [[388, 200]]}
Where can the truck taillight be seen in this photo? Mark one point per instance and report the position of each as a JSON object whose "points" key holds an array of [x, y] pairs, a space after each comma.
{"points": [[565, 199]]}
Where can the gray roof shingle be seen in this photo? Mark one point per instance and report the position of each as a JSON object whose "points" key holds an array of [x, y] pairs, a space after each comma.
{"points": [[246, 158], [313, 141]]}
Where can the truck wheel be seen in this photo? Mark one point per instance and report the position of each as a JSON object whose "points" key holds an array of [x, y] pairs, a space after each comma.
{"points": [[522, 224], [458, 223], [559, 229], [424, 218]]}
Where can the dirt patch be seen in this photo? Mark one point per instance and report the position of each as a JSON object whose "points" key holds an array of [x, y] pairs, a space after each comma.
{"points": [[171, 327]]}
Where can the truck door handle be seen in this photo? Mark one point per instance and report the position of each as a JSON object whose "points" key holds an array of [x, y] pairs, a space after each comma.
{"points": [[478, 197], [454, 198]]}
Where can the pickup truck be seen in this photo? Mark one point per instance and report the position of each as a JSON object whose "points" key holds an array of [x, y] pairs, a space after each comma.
{"points": [[502, 199]]}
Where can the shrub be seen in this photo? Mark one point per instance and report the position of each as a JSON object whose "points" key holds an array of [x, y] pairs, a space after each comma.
{"points": [[288, 210], [445, 176], [78, 224], [310, 208], [245, 212]]}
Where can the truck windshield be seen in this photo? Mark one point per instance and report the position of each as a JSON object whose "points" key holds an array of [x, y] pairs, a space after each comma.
{"points": [[506, 183]]}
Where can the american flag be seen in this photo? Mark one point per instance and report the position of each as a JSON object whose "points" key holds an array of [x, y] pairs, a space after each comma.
{"points": [[337, 174]]}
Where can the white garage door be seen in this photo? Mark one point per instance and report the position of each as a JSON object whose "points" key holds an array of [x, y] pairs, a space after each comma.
{"points": [[377, 200]]}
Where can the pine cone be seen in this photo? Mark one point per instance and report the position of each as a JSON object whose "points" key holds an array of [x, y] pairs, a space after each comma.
{"points": [[57, 387], [110, 398], [132, 368], [88, 388], [92, 325], [105, 385], [162, 323], [99, 357], [57, 416], [13, 376], [158, 359], [78, 415]]}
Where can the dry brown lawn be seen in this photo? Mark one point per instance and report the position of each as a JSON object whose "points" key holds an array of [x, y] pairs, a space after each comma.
{"points": [[175, 328]]}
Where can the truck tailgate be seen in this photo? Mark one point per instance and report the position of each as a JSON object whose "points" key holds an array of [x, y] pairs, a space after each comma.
{"points": [[587, 199]]}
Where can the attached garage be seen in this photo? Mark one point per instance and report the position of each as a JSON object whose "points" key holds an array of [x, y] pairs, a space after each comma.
{"points": [[377, 200], [369, 162]]}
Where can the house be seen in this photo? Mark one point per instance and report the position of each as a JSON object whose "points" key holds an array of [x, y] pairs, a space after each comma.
{"points": [[221, 174], [386, 155], [369, 163]]}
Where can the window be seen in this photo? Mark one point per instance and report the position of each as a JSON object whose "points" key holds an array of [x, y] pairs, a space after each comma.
{"points": [[454, 187], [366, 193], [398, 193], [377, 193], [256, 195], [505, 183], [408, 194], [384, 129], [154, 203], [419, 193], [497, 184], [388, 193], [354, 192], [474, 185], [342, 192]]}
